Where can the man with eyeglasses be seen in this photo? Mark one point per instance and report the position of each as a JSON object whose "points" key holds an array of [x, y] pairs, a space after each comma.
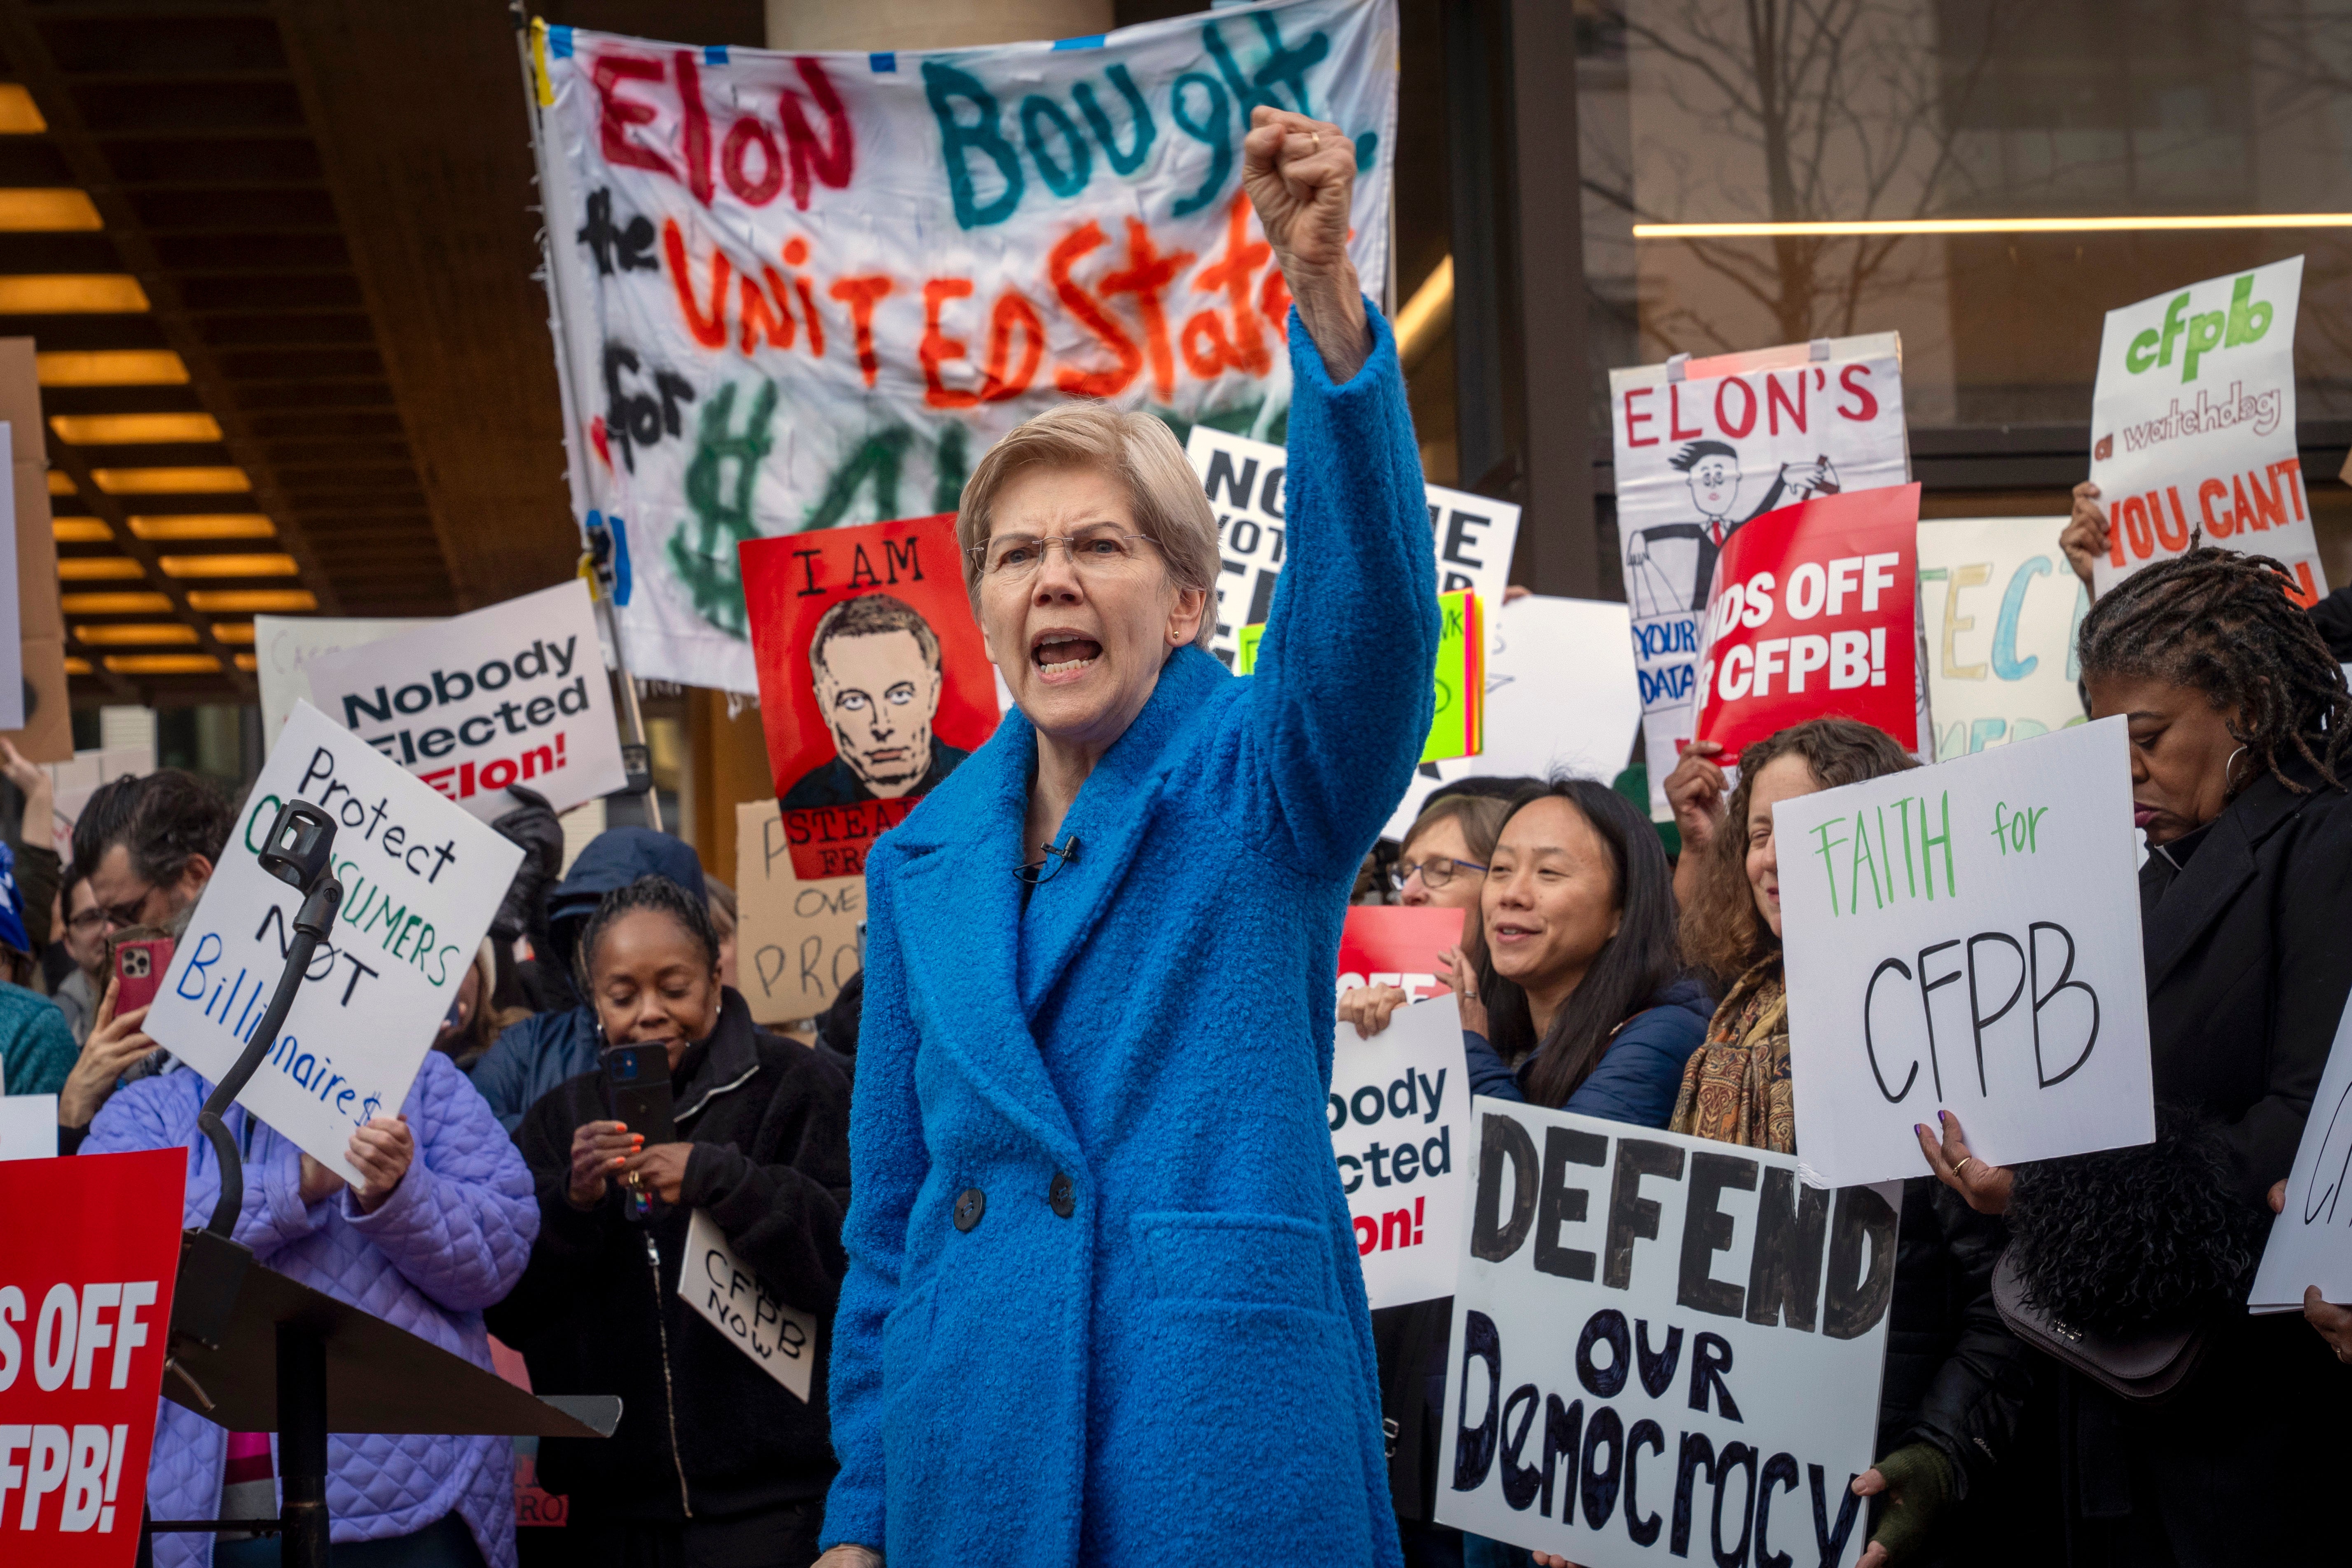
{"points": [[147, 847]]}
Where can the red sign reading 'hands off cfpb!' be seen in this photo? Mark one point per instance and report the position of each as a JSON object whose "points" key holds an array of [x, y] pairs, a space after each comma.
{"points": [[89, 1250]]}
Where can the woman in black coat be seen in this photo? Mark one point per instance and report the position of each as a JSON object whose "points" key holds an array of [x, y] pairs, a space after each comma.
{"points": [[2238, 722], [715, 1462]]}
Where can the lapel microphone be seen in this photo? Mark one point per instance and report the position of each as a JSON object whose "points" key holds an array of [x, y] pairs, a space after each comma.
{"points": [[1057, 856]]}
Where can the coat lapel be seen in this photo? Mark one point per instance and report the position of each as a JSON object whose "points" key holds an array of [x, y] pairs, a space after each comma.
{"points": [[2205, 888]]}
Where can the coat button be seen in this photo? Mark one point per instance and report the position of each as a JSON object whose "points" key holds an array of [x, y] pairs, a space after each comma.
{"points": [[970, 1204], [1062, 1194]]}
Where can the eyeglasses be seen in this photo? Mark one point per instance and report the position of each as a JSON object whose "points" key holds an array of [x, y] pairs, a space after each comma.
{"points": [[86, 921], [130, 912], [1097, 550], [1435, 871]]}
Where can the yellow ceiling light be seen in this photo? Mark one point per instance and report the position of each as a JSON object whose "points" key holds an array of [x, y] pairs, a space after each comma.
{"points": [[47, 209], [111, 367], [135, 634], [18, 115], [162, 664], [247, 662], [79, 531], [171, 481], [118, 429], [72, 294], [98, 569], [115, 603], [232, 632], [249, 600], [1866, 227], [78, 666], [61, 483], [226, 565], [1426, 315], [203, 525]]}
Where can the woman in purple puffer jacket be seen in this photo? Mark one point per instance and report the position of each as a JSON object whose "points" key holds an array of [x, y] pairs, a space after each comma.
{"points": [[441, 1229]]}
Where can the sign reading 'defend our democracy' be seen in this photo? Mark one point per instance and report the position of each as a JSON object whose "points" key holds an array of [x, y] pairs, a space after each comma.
{"points": [[1664, 1350], [803, 291], [1965, 938], [1400, 1117], [1705, 446], [421, 881]]}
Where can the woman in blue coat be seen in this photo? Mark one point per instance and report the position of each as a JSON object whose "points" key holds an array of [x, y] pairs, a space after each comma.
{"points": [[1102, 1303]]}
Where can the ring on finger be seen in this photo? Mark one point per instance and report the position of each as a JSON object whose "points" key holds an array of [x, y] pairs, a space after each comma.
{"points": [[1966, 1161]]}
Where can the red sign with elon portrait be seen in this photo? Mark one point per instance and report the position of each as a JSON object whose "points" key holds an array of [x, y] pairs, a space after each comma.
{"points": [[90, 1248], [874, 680], [1812, 614]]}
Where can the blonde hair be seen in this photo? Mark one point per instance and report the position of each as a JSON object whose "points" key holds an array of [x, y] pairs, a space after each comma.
{"points": [[1171, 508]]}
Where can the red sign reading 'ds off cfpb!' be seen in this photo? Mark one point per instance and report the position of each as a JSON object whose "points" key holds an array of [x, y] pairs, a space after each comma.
{"points": [[88, 1250], [1812, 615]]}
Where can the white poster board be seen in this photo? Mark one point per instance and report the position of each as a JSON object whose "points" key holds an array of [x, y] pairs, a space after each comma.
{"points": [[1702, 445], [28, 1127], [726, 1293], [421, 881], [1664, 1350], [1400, 1120], [2311, 1240], [514, 694], [2192, 426], [1966, 938], [284, 646], [1472, 536], [1560, 697], [11, 620], [2000, 605]]}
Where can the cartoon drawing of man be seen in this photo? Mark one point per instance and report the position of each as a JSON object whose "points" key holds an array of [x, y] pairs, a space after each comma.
{"points": [[875, 664], [1712, 470]]}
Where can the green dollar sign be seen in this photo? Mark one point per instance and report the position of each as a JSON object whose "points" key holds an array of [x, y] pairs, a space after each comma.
{"points": [[704, 555]]}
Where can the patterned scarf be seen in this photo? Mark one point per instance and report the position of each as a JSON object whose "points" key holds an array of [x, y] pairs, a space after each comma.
{"points": [[1735, 1087]]}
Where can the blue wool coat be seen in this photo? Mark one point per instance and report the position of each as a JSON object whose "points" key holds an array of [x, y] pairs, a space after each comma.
{"points": [[1179, 1368]]}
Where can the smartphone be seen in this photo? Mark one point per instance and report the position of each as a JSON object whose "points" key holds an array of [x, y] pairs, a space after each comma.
{"points": [[138, 969], [637, 1092]]}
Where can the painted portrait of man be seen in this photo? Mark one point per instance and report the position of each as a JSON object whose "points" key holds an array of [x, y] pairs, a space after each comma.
{"points": [[874, 664]]}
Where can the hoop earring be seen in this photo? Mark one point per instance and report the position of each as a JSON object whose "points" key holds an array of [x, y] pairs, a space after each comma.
{"points": [[2230, 768]]}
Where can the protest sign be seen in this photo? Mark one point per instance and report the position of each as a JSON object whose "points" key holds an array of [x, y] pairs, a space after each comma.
{"points": [[726, 1293], [1751, 1305], [800, 291], [2000, 607], [1472, 536], [795, 941], [421, 879], [90, 1249], [284, 646], [2192, 426], [2311, 1240], [874, 680], [1399, 1113], [1965, 938], [1814, 612], [512, 694], [1705, 446], [28, 1126], [1455, 722], [1560, 698], [1394, 944]]}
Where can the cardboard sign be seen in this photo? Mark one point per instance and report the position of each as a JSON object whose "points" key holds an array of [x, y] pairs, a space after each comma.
{"points": [[512, 694], [1965, 938], [90, 1249], [421, 879], [1400, 1125], [1391, 944], [1560, 698], [1664, 1350], [1814, 613], [726, 1293], [1705, 446], [28, 1126], [2311, 1240], [1472, 536], [2192, 426], [2000, 607], [284, 646], [874, 678], [795, 942]]}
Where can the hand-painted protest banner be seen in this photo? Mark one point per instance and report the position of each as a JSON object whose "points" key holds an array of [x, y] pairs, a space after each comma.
{"points": [[875, 681], [1664, 1350], [1399, 945], [1965, 938], [514, 694], [1561, 697], [796, 942], [1458, 720], [1472, 536], [2311, 1240], [801, 290], [284, 646], [1705, 446], [89, 1250], [1814, 612], [728, 1294], [421, 879], [2192, 426], [1399, 1113], [2000, 607]]}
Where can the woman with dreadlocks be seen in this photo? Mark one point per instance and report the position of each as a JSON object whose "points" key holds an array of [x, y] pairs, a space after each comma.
{"points": [[2239, 722]]}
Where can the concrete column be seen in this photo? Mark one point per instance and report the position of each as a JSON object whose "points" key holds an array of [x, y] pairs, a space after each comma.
{"points": [[814, 24]]}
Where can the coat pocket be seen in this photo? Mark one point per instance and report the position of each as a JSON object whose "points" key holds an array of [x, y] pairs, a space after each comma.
{"points": [[1253, 1259], [906, 1336]]}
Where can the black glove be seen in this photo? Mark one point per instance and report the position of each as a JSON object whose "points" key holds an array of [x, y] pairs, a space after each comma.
{"points": [[533, 826]]}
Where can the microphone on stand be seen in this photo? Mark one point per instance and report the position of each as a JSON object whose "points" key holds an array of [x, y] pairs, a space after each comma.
{"points": [[1057, 856]]}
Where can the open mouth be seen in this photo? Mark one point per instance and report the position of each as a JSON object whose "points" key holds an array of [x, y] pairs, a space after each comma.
{"points": [[1512, 932], [1057, 654], [2143, 814]]}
